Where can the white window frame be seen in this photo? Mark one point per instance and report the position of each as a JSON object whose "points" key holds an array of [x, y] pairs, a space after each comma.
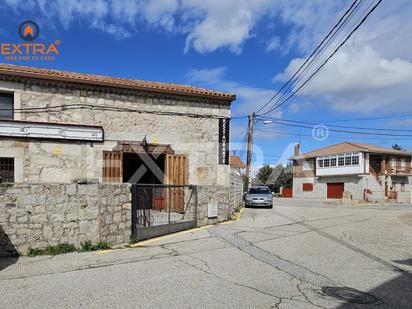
{"points": [[333, 160], [308, 165]]}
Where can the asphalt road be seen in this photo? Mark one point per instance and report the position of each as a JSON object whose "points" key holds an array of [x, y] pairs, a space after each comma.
{"points": [[280, 258]]}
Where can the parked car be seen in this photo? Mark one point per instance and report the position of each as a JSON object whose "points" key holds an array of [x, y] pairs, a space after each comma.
{"points": [[259, 196]]}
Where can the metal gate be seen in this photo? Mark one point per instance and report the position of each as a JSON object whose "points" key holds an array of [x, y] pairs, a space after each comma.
{"points": [[159, 209]]}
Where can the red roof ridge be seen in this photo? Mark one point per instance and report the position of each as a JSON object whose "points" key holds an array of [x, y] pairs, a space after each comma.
{"points": [[102, 80]]}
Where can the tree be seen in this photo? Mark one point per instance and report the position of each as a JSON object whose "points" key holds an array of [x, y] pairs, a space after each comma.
{"points": [[398, 147], [275, 177], [264, 173]]}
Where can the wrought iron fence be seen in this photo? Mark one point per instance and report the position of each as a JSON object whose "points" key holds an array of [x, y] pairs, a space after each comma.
{"points": [[159, 209]]}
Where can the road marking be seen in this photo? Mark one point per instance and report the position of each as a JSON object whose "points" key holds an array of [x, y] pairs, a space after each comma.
{"points": [[104, 251]]}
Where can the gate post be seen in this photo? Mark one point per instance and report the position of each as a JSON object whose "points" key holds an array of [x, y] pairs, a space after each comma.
{"points": [[134, 210], [196, 201]]}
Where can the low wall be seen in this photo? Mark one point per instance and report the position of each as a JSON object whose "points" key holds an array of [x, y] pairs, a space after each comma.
{"points": [[236, 190], [37, 215]]}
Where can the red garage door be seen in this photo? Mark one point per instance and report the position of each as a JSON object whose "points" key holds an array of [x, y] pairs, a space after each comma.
{"points": [[335, 189]]}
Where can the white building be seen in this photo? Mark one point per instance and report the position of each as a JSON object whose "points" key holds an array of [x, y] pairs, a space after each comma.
{"points": [[355, 171]]}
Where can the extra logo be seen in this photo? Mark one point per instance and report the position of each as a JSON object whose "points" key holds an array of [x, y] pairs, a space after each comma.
{"points": [[29, 30], [30, 49]]}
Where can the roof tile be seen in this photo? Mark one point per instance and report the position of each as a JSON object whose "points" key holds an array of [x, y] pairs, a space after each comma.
{"points": [[49, 74]]}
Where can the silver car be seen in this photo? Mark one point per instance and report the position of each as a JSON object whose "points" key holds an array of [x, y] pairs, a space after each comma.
{"points": [[259, 196]]}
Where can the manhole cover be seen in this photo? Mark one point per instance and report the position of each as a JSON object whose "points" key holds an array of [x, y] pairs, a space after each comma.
{"points": [[350, 295]]}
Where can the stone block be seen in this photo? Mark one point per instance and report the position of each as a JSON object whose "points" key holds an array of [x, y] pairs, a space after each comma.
{"points": [[56, 218], [88, 213], [40, 218]]}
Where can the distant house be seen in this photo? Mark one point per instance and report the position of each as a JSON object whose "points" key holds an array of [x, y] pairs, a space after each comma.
{"points": [[355, 171], [236, 164]]}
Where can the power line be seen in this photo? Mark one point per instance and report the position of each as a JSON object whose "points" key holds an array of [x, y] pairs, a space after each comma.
{"points": [[61, 108], [340, 126], [295, 78], [276, 133], [326, 61], [311, 55], [345, 131]]}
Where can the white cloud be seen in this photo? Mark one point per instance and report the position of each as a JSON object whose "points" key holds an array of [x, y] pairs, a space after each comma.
{"points": [[373, 72], [249, 98], [273, 44]]}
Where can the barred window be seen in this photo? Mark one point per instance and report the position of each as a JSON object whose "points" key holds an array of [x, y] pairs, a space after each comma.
{"points": [[6, 106], [7, 169]]}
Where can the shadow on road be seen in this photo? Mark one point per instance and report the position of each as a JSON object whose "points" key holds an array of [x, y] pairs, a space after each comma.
{"points": [[8, 253], [395, 293]]}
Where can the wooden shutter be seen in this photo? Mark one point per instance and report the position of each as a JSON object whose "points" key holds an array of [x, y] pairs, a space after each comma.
{"points": [[112, 166], [176, 172]]}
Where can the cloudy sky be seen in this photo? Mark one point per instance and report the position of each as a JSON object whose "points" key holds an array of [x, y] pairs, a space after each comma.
{"points": [[249, 48]]}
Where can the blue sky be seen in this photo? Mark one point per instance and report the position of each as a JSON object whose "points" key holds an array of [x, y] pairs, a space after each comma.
{"points": [[246, 47]]}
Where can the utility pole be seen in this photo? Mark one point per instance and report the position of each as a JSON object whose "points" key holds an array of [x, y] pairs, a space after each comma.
{"points": [[249, 148]]}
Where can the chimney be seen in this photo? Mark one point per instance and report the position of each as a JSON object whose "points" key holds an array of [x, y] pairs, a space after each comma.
{"points": [[296, 150]]}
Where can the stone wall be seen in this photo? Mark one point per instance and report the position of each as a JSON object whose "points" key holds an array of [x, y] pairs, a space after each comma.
{"points": [[37, 215], [208, 195], [236, 189], [196, 137]]}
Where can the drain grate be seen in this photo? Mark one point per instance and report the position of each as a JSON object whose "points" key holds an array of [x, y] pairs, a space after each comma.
{"points": [[350, 295]]}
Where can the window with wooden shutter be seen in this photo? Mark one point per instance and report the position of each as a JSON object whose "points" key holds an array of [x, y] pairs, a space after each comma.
{"points": [[112, 166]]}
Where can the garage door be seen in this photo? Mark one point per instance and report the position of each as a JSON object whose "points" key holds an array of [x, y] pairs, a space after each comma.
{"points": [[335, 189]]}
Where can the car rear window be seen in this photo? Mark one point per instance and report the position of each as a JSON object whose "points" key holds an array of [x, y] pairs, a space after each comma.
{"points": [[259, 191]]}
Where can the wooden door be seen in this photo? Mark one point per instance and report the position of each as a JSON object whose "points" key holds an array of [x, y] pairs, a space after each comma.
{"points": [[335, 190], [176, 173], [112, 166]]}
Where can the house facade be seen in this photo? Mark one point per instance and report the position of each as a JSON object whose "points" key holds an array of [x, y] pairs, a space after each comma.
{"points": [[353, 171], [58, 128]]}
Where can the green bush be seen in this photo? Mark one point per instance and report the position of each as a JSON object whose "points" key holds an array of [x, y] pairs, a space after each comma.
{"points": [[34, 252], [59, 249], [52, 250], [102, 245], [86, 246]]}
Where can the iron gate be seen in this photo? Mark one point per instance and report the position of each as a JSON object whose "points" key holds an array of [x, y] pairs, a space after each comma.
{"points": [[162, 209]]}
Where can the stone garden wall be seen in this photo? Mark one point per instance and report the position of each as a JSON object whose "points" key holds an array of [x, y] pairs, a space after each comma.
{"points": [[37, 215]]}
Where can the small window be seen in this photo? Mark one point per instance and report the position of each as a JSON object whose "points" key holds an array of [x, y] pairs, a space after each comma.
{"points": [[320, 162], [333, 162], [341, 161], [355, 160], [308, 165], [326, 162], [7, 169], [6, 106], [348, 160]]}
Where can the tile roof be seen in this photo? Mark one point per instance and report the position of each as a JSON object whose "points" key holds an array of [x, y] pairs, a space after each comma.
{"points": [[65, 76], [235, 161], [350, 147]]}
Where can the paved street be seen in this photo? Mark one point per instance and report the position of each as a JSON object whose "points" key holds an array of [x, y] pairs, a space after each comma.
{"points": [[280, 258]]}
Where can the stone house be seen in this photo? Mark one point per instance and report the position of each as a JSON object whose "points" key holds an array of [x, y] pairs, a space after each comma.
{"points": [[58, 128], [356, 171]]}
